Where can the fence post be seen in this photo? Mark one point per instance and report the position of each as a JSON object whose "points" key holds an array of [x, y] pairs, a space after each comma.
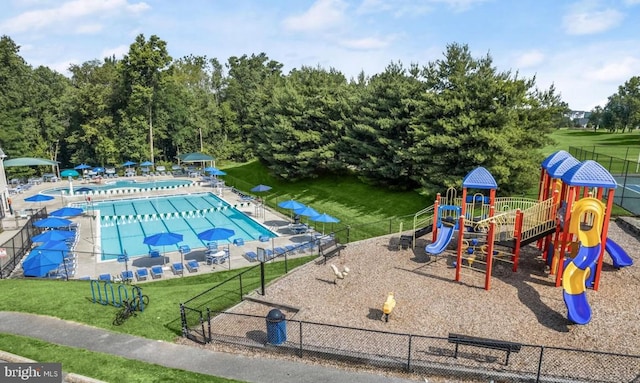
{"points": [[262, 278], [300, 323], [409, 354], [540, 364], [183, 319], [240, 281], [208, 337]]}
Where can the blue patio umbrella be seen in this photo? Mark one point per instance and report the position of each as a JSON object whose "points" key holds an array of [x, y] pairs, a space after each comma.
{"points": [[54, 246], [98, 169], [83, 166], [83, 190], [39, 262], [147, 163], [214, 171], [66, 212], [69, 173], [163, 239], [52, 222], [307, 211], [260, 188], [39, 198], [129, 163], [324, 218], [215, 234], [53, 235], [291, 204]]}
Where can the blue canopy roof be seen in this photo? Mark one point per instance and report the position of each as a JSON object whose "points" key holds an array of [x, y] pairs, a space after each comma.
{"points": [[559, 168], [479, 178], [590, 174], [554, 158]]}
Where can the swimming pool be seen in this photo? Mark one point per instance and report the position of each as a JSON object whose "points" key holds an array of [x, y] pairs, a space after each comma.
{"points": [[111, 186], [125, 223]]}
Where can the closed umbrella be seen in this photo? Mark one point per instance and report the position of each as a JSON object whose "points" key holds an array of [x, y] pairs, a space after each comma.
{"points": [[163, 239]]}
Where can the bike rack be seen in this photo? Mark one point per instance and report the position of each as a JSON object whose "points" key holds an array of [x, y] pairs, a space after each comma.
{"points": [[122, 290]]}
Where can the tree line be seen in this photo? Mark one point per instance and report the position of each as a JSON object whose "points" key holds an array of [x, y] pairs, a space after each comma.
{"points": [[416, 126]]}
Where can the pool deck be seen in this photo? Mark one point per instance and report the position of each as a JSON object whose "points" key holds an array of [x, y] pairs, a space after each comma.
{"points": [[90, 265]]}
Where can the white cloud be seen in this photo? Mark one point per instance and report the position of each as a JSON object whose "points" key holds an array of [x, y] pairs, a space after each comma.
{"points": [[70, 11], [529, 59], [618, 70], [367, 43], [585, 19], [118, 51], [322, 15], [413, 8], [631, 2], [88, 28]]}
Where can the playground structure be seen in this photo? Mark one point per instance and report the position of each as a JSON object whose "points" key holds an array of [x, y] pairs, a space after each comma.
{"points": [[569, 223], [388, 306]]}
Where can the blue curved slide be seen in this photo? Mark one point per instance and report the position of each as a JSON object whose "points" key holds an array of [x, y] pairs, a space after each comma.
{"points": [[445, 233], [574, 280], [619, 257]]}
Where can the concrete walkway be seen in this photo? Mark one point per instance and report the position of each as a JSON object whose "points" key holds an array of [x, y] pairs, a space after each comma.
{"points": [[182, 357]]}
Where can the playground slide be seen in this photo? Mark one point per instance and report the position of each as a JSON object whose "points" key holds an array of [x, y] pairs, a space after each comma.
{"points": [[578, 270], [445, 233], [619, 257]]}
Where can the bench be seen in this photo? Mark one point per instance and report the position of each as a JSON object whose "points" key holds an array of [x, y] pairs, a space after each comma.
{"points": [[465, 340], [329, 249]]}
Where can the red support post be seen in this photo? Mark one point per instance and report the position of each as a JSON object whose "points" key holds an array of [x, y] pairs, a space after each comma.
{"points": [[603, 240], [434, 231], [461, 233], [518, 237], [492, 228]]}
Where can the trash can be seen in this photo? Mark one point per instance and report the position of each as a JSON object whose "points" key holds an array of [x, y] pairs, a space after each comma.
{"points": [[276, 327]]}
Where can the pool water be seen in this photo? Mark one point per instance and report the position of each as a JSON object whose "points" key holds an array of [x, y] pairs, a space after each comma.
{"points": [[120, 184], [125, 223]]}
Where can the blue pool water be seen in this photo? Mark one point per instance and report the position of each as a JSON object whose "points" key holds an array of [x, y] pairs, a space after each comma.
{"points": [[121, 184], [125, 223]]}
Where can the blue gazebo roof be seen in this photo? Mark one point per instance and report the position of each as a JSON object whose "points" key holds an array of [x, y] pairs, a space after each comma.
{"points": [[479, 178], [590, 174], [558, 169], [554, 158]]}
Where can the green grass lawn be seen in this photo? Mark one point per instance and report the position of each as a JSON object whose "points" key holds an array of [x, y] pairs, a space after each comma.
{"points": [[613, 144]]}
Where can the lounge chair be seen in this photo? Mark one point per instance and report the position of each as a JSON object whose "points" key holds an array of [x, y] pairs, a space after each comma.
{"points": [[105, 277], [238, 242], [280, 250], [251, 256], [178, 268], [264, 238], [192, 266], [127, 275], [154, 254], [212, 246], [185, 249], [142, 274], [156, 272]]}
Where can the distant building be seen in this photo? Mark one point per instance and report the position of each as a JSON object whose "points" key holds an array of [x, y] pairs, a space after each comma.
{"points": [[579, 118]]}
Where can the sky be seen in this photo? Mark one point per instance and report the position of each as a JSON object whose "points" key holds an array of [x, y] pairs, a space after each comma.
{"points": [[585, 48]]}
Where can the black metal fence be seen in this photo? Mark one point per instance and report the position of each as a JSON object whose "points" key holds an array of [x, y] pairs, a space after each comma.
{"points": [[626, 173], [426, 356], [20, 243]]}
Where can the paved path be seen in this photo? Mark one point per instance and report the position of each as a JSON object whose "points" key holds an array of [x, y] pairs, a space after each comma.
{"points": [[171, 355]]}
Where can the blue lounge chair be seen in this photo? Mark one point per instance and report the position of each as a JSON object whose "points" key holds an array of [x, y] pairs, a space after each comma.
{"points": [[185, 249], [251, 256], [154, 254], [264, 238], [238, 242], [290, 248], [127, 275], [104, 277], [192, 266], [142, 274], [156, 272], [280, 250], [178, 268]]}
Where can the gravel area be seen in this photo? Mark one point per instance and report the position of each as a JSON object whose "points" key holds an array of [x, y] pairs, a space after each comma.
{"points": [[523, 306]]}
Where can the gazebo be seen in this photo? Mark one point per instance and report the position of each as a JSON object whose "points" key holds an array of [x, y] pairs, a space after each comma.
{"points": [[25, 161]]}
